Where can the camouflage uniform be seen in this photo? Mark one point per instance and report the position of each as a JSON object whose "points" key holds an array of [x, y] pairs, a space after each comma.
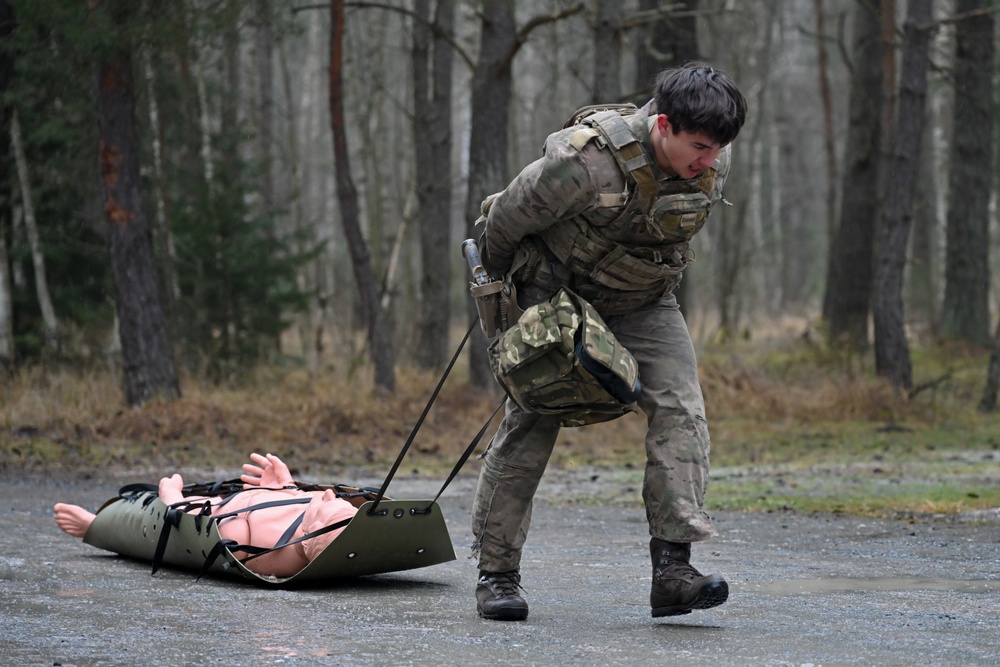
{"points": [[569, 219]]}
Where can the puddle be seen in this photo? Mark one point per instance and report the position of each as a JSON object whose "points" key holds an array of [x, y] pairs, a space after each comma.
{"points": [[843, 584]]}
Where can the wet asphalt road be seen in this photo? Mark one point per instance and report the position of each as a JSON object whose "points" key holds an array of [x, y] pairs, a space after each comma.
{"points": [[805, 590]]}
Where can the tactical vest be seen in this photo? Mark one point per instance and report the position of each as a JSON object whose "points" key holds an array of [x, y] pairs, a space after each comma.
{"points": [[640, 256]]}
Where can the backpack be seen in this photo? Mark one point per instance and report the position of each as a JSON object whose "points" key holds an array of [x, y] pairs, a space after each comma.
{"points": [[562, 359]]}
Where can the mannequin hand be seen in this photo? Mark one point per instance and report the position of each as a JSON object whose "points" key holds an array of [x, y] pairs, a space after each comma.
{"points": [[270, 471]]}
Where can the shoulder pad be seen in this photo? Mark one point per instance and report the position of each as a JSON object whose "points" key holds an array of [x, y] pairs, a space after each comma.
{"points": [[582, 137], [585, 112]]}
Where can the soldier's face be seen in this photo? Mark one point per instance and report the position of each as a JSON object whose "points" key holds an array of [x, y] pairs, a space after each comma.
{"points": [[684, 154]]}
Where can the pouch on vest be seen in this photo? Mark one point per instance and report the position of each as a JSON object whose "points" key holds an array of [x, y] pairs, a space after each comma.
{"points": [[561, 359]]}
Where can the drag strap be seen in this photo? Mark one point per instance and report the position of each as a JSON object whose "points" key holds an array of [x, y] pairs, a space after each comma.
{"points": [[465, 457], [420, 421]]}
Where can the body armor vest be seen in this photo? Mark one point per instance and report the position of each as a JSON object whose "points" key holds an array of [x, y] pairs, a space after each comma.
{"points": [[638, 257]]}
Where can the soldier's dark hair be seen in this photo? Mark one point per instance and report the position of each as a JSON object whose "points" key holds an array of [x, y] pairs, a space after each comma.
{"points": [[697, 97]]}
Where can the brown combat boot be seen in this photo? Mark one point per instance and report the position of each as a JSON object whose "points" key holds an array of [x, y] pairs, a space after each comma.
{"points": [[678, 588], [497, 597]]}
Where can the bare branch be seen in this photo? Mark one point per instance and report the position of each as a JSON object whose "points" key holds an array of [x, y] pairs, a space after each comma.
{"points": [[438, 32], [537, 22]]}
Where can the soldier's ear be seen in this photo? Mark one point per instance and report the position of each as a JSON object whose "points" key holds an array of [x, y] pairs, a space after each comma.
{"points": [[663, 124]]}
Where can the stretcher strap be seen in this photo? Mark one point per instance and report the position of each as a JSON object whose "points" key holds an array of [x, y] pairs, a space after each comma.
{"points": [[172, 518]]}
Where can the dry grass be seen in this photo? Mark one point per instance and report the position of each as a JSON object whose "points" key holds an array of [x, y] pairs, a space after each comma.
{"points": [[65, 418], [764, 400]]}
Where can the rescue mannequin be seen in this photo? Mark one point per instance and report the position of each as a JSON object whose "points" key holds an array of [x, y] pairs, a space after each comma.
{"points": [[266, 479]]}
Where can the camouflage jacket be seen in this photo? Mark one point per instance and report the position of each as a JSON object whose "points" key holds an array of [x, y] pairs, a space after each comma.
{"points": [[597, 213]]}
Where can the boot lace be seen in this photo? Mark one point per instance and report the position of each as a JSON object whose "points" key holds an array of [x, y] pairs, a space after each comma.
{"points": [[672, 568], [503, 584]]}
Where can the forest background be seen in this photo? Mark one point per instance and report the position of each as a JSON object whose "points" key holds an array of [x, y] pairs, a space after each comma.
{"points": [[235, 225]]}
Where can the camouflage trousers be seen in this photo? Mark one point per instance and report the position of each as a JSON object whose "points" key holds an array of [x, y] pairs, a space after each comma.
{"points": [[677, 446]]}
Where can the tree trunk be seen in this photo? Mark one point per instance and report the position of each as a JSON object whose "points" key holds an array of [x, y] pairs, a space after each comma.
{"points": [[168, 252], [264, 62], [31, 225], [607, 52], [989, 402], [299, 126], [921, 290], [846, 303], [395, 261], [379, 342], [491, 90], [432, 67], [6, 302], [965, 313], [829, 130], [731, 226], [7, 25], [146, 347], [264, 67], [892, 354], [666, 42]]}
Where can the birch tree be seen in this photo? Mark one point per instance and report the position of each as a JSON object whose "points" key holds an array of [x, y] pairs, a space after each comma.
{"points": [[34, 241]]}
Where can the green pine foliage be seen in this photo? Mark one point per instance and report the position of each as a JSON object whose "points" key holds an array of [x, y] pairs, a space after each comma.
{"points": [[236, 270], [237, 273]]}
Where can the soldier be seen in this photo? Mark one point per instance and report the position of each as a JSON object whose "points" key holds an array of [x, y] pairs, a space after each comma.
{"points": [[608, 211]]}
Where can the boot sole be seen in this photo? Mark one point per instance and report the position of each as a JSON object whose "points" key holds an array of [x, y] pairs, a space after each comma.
{"points": [[711, 596], [504, 614]]}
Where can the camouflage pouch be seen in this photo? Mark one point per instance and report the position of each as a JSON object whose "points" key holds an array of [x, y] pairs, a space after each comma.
{"points": [[561, 359]]}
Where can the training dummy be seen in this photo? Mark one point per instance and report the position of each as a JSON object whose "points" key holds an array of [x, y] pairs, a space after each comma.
{"points": [[245, 522]]}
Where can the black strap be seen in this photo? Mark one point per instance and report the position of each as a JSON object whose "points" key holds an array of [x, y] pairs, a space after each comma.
{"points": [[416, 427], [214, 554], [171, 520], [132, 491], [461, 461], [260, 506], [257, 552]]}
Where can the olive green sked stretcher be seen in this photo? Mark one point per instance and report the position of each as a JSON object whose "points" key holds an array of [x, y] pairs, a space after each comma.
{"points": [[399, 535], [384, 535]]}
